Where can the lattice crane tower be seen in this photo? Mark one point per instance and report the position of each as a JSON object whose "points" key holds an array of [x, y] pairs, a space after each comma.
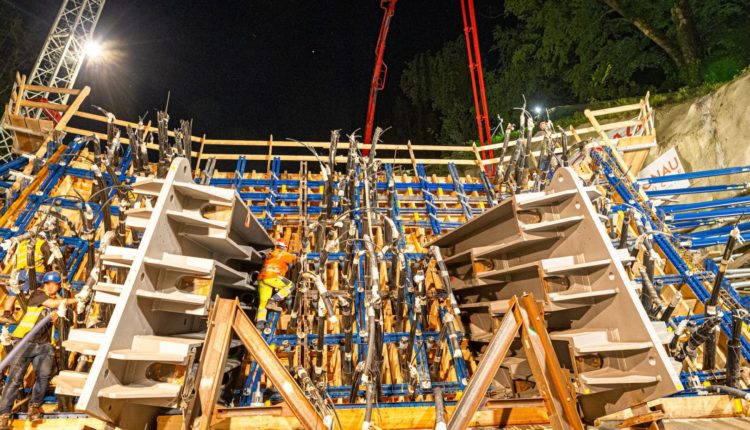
{"points": [[61, 57]]}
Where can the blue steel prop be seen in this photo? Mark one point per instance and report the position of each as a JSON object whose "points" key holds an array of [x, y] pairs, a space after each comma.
{"points": [[698, 190], [694, 175], [270, 200], [629, 194]]}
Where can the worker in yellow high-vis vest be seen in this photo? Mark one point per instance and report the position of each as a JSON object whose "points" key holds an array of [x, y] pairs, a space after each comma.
{"points": [[30, 263], [270, 279], [39, 351]]}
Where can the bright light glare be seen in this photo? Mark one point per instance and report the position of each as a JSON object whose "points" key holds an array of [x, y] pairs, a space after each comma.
{"points": [[93, 49], [537, 110]]}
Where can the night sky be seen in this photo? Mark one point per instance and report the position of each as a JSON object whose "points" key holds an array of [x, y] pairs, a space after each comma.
{"points": [[247, 69]]}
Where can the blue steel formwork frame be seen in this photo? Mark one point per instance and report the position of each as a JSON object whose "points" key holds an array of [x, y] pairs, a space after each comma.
{"points": [[271, 197], [429, 200], [628, 192], [43, 197], [459, 189], [420, 352]]}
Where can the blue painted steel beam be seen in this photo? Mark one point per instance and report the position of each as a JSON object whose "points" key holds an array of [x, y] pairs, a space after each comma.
{"points": [[285, 340], [745, 226], [382, 186], [389, 390], [698, 190], [734, 201], [429, 200], [16, 164], [717, 213], [704, 242], [695, 284], [694, 175]]}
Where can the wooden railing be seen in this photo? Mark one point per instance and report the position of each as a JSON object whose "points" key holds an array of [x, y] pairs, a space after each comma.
{"points": [[204, 148]]}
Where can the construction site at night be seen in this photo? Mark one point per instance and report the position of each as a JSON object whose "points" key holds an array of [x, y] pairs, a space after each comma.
{"points": [[541, 277]]}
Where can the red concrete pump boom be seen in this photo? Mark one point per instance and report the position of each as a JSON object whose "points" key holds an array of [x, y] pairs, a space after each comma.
{"points": [[477, 77], [379, 74], [475, 71]]}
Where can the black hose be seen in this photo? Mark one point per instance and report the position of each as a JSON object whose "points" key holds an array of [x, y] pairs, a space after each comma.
{"points": [[728, 249], [625, 230], [732, 392], [734, 353]]}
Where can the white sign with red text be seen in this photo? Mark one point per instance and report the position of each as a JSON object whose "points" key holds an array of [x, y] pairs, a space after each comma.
{"points": [[667, 164]]}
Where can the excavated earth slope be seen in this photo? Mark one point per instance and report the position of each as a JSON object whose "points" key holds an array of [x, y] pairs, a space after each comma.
{"points": [[709, 132]]}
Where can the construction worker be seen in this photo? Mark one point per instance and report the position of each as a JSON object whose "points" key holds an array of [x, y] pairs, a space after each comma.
{"points": [[38, 351], [28, 262], [272, 278]]}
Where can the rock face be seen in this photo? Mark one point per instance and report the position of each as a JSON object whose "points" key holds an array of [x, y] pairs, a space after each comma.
{"points": [[710, 132]]}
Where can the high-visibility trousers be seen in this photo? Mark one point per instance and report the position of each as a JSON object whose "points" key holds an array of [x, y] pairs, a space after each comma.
{"points": [[266, 287]]}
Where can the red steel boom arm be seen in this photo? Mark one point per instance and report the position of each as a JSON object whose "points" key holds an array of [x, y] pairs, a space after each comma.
{"points": [[477, 77], [379, 74]]}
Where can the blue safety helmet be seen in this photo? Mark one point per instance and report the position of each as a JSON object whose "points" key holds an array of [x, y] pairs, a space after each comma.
{"points": [[52, 277]]}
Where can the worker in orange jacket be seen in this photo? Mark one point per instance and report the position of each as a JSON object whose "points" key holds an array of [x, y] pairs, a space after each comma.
{"points": [[272, 278]]}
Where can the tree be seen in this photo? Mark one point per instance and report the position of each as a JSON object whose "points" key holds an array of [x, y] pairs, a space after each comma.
{"points": [[440, 82], [13, 48], [577, 51], [684, 49]]}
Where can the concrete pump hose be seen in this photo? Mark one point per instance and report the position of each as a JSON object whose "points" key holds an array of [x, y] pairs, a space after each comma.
{"points": [[733, 392], [19, 346]]}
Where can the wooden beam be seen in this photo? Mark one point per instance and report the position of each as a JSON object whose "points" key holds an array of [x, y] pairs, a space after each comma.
{"points": [[631, 177], [339, 159], [21, 82], [597, 127], [574, 133], [411, 157], [556, 387], [40, 176], [44, 88], [226, 318], [393, 418], [123, 140], [213, 359], [275, 371], [73, 108], [586, 130], [492, 358], [341, 145], [477, 156], [270, 155], [616, 109], [199, 156], [41, 105], [695, 407]]}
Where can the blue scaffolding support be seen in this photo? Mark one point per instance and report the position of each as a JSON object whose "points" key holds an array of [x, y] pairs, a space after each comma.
{"points": [[458, 187], [613, 172], [694, 175], [429, 200]]}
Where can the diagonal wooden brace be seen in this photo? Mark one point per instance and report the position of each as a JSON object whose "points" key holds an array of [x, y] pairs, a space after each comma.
{"points": [[226, 318], [553, 386]]}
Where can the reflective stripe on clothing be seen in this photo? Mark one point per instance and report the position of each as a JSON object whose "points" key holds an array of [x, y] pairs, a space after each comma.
{"points": [[277, 264], [28, 321], [266, 288], [22, 258]]}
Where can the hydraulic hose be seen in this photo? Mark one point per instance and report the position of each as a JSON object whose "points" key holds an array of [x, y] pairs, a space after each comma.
{"points": [[723, 389], [19, 346]]}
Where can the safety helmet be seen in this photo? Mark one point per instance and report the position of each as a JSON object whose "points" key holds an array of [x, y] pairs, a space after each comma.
{"points": [[281, 244], [52, 277]]}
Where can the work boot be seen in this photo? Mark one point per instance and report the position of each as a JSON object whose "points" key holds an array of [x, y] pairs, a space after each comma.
{"points": [[35, 413], [5, 422], [273, 306]]}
